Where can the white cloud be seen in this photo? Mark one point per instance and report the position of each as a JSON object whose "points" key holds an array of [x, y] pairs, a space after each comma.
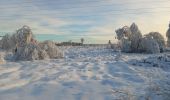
{"points": [[49, 20]]}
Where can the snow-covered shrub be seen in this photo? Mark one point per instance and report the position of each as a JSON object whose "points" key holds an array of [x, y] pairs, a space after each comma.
{"points": [[30, 52], [125, 45], [148, 45], [135, 38], [25, 47], [2, 61], [23, 36], [51, 49], [7, 43], [42, 54], [27, 52], [130, 37], [123, 32], [20, 38], [168, 36], [159, 39], [132, 40]]}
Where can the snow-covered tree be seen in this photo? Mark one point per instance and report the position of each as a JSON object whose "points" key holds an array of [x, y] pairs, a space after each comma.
{"points": [[24, 36], [123, 35], [123, 32], [135, 37], [168, 36], [130, 37]]}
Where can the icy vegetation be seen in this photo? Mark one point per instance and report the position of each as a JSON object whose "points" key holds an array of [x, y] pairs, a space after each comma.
{"points": [[25, 47], [161, 61], [131, 40], [88, 73], [2, 61], [168, 36]]}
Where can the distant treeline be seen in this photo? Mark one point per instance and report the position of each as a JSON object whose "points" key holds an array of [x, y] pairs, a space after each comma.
{"points": [[69, 44], [79, 44]]}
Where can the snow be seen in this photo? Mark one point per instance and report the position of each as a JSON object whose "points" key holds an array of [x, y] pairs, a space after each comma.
{"points": [[86, 73]]}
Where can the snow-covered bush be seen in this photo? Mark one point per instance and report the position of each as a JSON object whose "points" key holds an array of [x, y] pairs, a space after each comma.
{"points": [[23, 36], [130, 37], [27, 52], [148, 45], [123, 32], [7, 43], [2, 61], [168, 36], [125, 45], [51, 49], [20, 38], [135, 37], [132, 40], [25, 47], [159, 39]]}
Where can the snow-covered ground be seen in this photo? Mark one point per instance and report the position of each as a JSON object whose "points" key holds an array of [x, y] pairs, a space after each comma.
{"points": [[86, 73]]}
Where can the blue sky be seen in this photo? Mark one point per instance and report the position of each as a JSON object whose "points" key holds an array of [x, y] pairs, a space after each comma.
{"points": [[95, 20]]}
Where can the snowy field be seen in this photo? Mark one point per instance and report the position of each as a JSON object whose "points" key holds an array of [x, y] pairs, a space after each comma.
{"points": [[87, 73]]}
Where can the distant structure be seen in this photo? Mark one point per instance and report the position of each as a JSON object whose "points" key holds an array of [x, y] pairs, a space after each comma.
{"points": [[82, 40], [68, 44], [168, 36], [109, 42]]}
